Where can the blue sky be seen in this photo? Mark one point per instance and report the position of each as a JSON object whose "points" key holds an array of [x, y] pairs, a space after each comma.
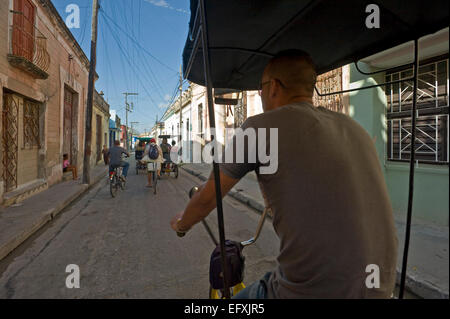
{"points": [[139, 49]]}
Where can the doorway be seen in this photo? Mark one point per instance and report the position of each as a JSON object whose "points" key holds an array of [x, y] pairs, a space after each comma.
{"points": [[70, 132], [10, 128]]}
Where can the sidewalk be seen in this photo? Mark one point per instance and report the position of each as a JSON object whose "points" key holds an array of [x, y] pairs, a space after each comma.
{"points": [[428, 258], [20, 221]]}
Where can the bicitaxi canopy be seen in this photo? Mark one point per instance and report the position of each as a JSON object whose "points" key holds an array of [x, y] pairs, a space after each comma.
{"points": [[244, 34]]}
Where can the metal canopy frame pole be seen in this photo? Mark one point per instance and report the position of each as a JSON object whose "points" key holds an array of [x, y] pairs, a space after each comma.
{"points": [[363, 88], [381, 71], [209, 84], [372, 73], [411, 169], [194, 52]]}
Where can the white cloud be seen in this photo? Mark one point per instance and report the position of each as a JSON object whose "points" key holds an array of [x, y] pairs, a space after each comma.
{"points": [[167, 97], [159, 3], [165, 4], [162, 105]]}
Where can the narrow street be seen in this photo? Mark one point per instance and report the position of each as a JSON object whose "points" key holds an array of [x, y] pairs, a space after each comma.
{"points": [[125, 248], [334, 117]]}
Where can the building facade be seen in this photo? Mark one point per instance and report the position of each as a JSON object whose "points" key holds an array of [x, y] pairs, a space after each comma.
{"points": [[114, 128], [385, 113], [43, 83], [195, 128], [100, 128], [123, 136]]}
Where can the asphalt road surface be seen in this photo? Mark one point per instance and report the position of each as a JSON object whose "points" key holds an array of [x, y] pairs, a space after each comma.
{"points": [[124, 246]]}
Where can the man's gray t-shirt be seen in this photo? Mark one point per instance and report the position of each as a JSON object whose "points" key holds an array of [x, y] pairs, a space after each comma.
{"points": [[115, 154], [331, 209]]}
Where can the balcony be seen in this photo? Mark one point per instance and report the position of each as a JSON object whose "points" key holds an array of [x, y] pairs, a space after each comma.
{"points": [[28, 48]]}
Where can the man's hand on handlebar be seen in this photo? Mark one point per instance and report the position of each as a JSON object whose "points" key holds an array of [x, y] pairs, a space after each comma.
{"points": [[201, 205], [175, 224]]}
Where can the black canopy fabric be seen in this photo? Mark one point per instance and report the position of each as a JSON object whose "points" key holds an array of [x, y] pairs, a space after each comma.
{"points": [[244, 34]]}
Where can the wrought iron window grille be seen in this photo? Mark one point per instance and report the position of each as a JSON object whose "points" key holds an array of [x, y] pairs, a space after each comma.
{"points": [[432, 129], [31, 124]]}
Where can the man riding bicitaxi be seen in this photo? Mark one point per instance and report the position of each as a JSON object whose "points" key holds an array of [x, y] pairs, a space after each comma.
{"points": [[331, 209]]}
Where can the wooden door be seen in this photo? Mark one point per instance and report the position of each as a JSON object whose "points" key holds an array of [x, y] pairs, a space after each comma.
{"points": [[67, 126]]}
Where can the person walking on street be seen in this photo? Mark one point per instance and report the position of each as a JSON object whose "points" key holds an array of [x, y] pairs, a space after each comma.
{"points": [[174, 152], [105, 154]]}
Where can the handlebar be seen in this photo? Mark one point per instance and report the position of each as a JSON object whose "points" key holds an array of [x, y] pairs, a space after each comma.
{"points": [[258, 230], [249, 242]]}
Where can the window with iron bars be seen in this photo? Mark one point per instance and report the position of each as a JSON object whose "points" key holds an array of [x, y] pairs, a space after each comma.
{"points": [[31, 124], [432, 131]]}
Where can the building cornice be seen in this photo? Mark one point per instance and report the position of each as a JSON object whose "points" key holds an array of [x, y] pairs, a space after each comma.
{"points": [[53, 13], [101, 104]]}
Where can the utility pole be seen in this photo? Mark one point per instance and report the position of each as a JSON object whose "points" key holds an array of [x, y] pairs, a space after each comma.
{"points": [[127, 109], [181, 107], [90, 96], [132, 129]]}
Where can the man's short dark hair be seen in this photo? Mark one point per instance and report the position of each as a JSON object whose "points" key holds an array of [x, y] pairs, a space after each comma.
{"points": [[296, 53], [116, 142], [295, 68]]}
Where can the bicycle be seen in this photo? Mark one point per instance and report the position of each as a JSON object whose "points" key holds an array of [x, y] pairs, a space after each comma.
{"points": [[215, 292], [116, 181]]}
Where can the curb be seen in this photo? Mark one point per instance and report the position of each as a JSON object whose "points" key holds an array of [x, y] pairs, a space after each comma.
{"points": [[200, 176], [421, 288], [16, 241], [45, 217]]}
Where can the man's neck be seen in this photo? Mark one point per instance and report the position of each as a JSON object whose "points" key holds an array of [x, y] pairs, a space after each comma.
{"points": [[298, 99], [294, 99]]}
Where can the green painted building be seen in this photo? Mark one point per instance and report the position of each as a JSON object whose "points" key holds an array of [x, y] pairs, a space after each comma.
{"points": [[385, 113]]}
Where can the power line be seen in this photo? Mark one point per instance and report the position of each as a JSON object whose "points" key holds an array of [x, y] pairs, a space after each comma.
{"points": [[137, 43], [83, 32], [125, 54], [125, 74], [108, 60], [147, 67], [127, 59]]}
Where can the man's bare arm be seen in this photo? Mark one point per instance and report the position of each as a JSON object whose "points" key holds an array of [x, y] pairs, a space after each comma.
{"points": [[204, 201]]}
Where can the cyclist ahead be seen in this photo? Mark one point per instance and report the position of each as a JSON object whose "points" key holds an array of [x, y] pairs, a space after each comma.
{"points": [[165, 148], [329, 199], [115, 158]]}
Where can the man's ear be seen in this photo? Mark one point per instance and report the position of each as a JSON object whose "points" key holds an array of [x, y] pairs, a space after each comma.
{"points": [[274, 88]]}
